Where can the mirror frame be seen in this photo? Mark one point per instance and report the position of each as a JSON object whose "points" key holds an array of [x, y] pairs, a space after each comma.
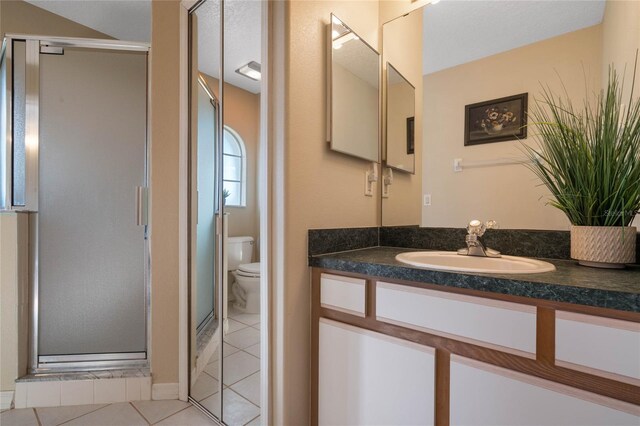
{"points": [[386, 120], [329, 116]]}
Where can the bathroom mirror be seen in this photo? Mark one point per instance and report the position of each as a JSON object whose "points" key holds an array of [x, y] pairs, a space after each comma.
{"points": [[353, 92], [225, 370], [205, 243], [468, 52], [242, 372], [400, 122]]}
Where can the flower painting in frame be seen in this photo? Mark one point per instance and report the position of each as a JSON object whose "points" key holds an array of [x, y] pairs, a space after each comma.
{"points": [[496, 120]]}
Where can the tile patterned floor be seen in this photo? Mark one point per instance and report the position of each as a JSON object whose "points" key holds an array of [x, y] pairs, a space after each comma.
{"points": [[122, 414], [241, 393], [241, 372]]}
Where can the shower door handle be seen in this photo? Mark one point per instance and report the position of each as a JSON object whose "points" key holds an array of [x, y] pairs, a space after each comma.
{"points": [[142, 205]]}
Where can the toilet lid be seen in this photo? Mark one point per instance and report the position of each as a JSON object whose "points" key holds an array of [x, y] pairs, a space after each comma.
{"points": [[250, 268]]}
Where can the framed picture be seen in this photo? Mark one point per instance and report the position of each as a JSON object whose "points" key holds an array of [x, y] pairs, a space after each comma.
{"points": [[496, 120], [411, 141]]}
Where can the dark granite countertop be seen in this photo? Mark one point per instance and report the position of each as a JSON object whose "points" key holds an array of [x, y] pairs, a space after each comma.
{"points": [[570, 283]]}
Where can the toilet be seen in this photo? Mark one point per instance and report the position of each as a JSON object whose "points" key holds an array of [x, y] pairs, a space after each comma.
{"points": [[246, 282]]}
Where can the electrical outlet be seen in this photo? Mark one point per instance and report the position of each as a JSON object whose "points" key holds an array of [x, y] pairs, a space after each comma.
{"points": [[427, 199]]}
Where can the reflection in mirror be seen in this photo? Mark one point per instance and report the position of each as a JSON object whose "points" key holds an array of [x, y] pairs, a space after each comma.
{"points": [[401, 106], [563, 45], [225, 277], [241, 369], [353, 92], [205, 330]]}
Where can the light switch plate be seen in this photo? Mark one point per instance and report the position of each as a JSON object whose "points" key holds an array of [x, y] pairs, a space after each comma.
{"points": [[368, 186], [457, 165]]}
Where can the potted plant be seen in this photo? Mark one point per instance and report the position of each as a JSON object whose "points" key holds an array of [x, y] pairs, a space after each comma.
{"points": [[589, 159], [225, 194]]}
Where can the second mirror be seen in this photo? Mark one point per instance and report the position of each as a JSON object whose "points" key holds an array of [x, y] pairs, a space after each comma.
{"points": [[401, 108]]}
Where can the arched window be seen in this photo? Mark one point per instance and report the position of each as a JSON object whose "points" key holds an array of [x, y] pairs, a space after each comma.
{"points": [[234, 157]]}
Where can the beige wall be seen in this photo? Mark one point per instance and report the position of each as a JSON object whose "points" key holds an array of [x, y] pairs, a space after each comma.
{"points": [[402, 47], [242, 114], [620, 42], [324, 189], [621, 39], [14, 290], [165, 128], [510, 193], [19, 17]]}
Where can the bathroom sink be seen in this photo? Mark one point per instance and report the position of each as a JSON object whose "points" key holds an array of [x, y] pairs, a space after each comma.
{"points": [[452, 261]]}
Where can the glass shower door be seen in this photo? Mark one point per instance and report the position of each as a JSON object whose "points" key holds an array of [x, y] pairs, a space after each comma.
{"points": [[91, 220], [206, 191]]}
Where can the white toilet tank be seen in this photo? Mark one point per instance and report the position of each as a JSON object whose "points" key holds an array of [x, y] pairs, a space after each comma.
{"points": [[239, 251]]}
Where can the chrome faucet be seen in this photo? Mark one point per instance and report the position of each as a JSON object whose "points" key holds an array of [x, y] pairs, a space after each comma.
{"points": [[475, 245]]}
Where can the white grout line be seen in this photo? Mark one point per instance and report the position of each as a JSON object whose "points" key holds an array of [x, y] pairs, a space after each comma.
{"points": [[37, 417], [85, 414], [252, 418], [138, 411], [179, 411], [243, 397], [92, 411]]}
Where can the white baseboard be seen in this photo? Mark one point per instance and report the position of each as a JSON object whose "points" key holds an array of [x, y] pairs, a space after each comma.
{"points": [[6, 398], [161, 391]]}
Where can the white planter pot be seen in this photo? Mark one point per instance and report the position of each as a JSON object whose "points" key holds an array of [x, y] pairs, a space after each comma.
{"points": [[603, 246]]}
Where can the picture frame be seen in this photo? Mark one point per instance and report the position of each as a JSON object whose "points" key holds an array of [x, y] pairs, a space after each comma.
{"points": [[411, 140], [496, 120]]}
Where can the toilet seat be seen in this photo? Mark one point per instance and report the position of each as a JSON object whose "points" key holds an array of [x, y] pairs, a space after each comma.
{"points": [[246, 287], [251, 270]]}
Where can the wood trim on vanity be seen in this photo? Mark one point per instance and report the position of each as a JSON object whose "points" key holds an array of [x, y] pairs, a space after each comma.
{"points": [[546, 335], [543, 366], [370, 306], [315, 343], [442, 386]]}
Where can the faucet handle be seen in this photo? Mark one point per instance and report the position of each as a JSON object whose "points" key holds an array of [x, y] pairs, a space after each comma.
{"points": [[492, 224], [476, 227]]}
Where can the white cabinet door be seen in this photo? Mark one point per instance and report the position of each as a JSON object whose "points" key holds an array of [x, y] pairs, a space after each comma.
{"points": [[366, 378], [482, 394], [343, 294], [509, 327], [602, 346]]}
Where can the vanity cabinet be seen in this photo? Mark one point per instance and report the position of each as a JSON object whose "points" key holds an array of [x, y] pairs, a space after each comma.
{"points": [[343, 294], [495, 324], [368, 378], [406, 353], [602, 346], [486, 395]]}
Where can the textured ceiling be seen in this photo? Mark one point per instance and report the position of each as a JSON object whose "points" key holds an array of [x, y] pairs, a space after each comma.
{"points": [[131, 20], [460, 31], [122, 19], [242, 39]]}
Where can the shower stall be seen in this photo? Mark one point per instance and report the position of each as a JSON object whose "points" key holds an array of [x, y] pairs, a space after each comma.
{"points": [[74, 156]]}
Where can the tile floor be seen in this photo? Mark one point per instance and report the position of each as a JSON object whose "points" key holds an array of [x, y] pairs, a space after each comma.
{"points": [[241, 393], [142, 413], [241, 373]]}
